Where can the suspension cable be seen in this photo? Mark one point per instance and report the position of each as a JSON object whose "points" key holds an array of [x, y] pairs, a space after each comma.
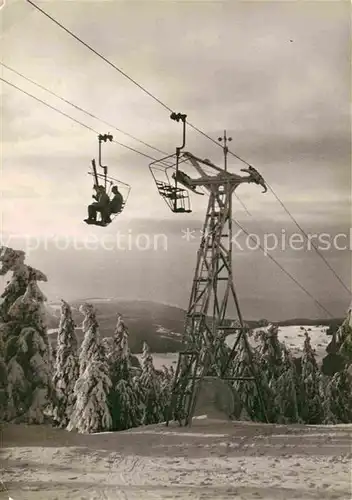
{"points": [[116, 68], [100, 55], [308, 239], [284, 270], [74, 119], [79, 108], [294, 220]]}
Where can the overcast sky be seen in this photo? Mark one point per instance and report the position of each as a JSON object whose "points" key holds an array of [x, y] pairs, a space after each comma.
{"points": [[276, 75]]}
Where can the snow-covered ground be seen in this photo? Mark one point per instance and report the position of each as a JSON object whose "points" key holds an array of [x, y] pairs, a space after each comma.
{"points": [[166, 332], [53, 331], [214, 460], [291, 336], [160, 359]]}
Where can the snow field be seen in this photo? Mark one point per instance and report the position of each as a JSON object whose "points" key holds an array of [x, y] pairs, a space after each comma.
{"points": [[148, 464]]}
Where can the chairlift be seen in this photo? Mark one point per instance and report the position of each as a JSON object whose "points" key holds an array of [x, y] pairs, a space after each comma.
{"points": [[167, 176], [176, 198], [107, 182]]}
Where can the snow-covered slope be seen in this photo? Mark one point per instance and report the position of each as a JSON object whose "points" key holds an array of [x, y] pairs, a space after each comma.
{"points": [[160, 325], [214, 460]]}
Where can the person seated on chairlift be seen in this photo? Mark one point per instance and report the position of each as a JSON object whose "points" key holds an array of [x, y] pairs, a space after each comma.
{"points": [[115, 205], [100, 205]]}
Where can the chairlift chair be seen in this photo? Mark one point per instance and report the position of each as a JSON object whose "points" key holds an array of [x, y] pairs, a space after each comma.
{"points": [[124, 190], [177, 198], [108, 183]]}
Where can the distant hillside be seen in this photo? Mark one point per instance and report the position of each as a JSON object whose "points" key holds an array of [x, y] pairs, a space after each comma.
{"points": [[159, 325]]}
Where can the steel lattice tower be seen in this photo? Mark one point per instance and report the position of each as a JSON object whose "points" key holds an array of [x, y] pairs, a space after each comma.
{"points": [[213, 293]]}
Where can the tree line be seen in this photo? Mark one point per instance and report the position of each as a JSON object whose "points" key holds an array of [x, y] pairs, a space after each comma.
{"points": [[98, 386]]}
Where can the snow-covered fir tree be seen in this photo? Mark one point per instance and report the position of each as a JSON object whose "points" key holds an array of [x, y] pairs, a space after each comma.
{"points": [[120, 328], [222, 353], [91, 411], [166, 384], [107, 346], [28, 356], [338, 394], [66, 367], [126, 411], [271, 356], [311, 402], [183, 392], [344, 338], [271, 352], [91, 345], [149, 388], [245, 364], [12, 261], [286, 391], [120, 352], [263, 323], [24, 335], [338, 398], [124, 400], [327, 395]]}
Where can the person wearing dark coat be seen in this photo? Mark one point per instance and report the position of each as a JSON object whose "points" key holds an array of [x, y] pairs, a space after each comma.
{"points": [[100, 205]]}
